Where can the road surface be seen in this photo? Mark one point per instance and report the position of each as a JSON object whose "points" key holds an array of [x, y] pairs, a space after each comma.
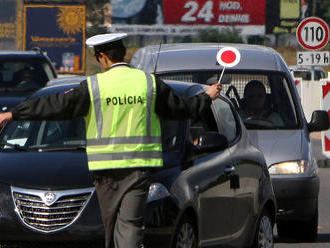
{"points": [[323, 240]]}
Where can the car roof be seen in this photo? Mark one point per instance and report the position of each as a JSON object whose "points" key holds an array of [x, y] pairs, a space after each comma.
{"points": [[202, 56], [66, 80], [17, 53], [178, 86], [52, 89]]}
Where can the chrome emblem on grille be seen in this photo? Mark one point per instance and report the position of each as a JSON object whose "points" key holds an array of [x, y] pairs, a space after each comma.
{"points": [[49, 198]]}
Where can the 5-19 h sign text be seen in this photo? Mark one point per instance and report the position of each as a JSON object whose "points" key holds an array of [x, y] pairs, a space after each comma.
{"points": [[312, 33]]}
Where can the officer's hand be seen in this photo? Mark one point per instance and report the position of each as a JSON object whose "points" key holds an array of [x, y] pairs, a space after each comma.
{"points": [[5, 117], [214, 90]]}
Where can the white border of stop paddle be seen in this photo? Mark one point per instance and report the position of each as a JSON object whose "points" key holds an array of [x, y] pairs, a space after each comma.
{"points": [[232, 49]]}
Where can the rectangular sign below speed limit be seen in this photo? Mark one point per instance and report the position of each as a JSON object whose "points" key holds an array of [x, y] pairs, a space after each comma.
{"points": [[313, 58]]}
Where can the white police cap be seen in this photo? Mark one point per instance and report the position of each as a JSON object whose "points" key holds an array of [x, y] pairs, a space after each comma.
{"points": [[101, 39]]}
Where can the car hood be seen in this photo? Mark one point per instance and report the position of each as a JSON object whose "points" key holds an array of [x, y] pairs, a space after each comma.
{"points": [[278, 145], [53, 170], [8, 102]]}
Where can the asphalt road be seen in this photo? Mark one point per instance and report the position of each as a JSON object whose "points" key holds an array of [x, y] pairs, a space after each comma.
{"points": [[324, 217]]}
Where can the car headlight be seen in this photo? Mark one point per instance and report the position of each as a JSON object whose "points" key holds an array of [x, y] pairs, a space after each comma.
{"points": [[157, 191], [289, 167]]}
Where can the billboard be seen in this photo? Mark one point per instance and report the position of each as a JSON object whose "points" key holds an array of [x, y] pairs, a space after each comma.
{"points": [[11, 24], [61, 35], [290, 9], [173, 17], [240, 12]]}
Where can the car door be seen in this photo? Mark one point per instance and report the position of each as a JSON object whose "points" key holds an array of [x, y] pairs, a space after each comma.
{"points": [[212, 184], [247, 170]]}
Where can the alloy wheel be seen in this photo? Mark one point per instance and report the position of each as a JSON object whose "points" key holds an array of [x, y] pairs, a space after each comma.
{"points": [[265, 233], [186, 237]]}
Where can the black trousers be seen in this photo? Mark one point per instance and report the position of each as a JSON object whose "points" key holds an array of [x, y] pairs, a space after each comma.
{"points": [[122, 195]]}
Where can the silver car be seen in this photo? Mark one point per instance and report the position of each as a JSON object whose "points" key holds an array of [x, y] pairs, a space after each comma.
{"points": [[280, 128]]}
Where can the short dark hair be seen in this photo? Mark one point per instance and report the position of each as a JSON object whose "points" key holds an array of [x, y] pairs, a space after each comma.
{"points": [[254, 84], [115, 50]]}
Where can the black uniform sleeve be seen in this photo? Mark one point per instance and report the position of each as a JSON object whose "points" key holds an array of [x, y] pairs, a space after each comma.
{"points": [[173, 107], [60, 106]]}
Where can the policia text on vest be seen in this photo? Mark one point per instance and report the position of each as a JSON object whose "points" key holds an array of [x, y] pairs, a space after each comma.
{"points": [[123, 100]]}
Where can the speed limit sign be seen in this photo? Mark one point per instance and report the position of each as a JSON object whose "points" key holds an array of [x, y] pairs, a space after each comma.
{"points": [[312, 33]]}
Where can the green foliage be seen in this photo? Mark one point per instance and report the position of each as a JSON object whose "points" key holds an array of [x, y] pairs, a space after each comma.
{"points": [[257, 40], [213, 35], [323, 10]]}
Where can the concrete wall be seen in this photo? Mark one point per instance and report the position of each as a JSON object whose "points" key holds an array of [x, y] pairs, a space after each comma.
{"points": [[311, 97]]}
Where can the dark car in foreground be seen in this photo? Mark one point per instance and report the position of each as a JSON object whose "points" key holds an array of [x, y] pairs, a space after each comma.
{"points": [[21, 74], [280, 131], [214, 189]]}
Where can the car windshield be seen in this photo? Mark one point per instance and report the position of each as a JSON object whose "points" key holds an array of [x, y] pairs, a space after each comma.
{"points": [[308, 75], [305, 75], [319, 75], [20, 75], [44, 135], [265, 103], [57, 135]]}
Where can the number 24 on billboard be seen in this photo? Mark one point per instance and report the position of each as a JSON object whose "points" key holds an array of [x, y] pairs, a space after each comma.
{"points": [[206, 11]]}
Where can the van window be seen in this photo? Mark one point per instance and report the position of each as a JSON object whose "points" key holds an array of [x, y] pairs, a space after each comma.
{"points": [[305, 75], [318, 75], [278, 110], [263, 101]]}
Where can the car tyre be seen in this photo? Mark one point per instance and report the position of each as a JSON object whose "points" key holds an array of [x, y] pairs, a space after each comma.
{"points": [[264, 237], [308, 229], [186, 234], [301, 231]]}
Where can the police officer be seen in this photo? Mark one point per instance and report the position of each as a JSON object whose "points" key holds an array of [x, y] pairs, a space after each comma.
{"points": [[121, 107]]}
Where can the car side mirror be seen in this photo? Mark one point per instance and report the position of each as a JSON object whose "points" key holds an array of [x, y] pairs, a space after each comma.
{"points": [[211, 141], [319, 121]]}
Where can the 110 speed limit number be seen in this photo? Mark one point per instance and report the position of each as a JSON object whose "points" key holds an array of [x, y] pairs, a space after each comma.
{"points": [[313, 33]]}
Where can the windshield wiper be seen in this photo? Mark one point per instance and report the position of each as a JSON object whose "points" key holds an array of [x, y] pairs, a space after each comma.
{"points": [[250, 125], [6, 90], [16, 147], [60, 148]]}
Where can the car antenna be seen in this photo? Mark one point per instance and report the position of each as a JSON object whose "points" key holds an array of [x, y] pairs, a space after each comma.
{"points": [[160, 45]]}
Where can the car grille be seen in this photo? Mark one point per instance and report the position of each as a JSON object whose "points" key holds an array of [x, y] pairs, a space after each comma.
{"points": [[50, 211], [51, 244]]}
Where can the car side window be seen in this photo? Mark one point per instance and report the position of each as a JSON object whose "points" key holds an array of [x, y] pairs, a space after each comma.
{"points": [[203, 124], [172, 135], [226, 121], [19, 134]]}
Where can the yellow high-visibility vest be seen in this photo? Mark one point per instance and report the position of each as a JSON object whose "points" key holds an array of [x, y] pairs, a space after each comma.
{"points": [[122, 128]]}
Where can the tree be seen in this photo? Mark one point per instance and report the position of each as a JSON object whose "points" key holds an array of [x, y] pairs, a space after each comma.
{"points": [[322, 10], [213, 35]]}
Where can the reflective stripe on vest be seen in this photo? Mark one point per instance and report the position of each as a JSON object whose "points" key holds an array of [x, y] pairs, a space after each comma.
{"points": [[112, 150]]}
